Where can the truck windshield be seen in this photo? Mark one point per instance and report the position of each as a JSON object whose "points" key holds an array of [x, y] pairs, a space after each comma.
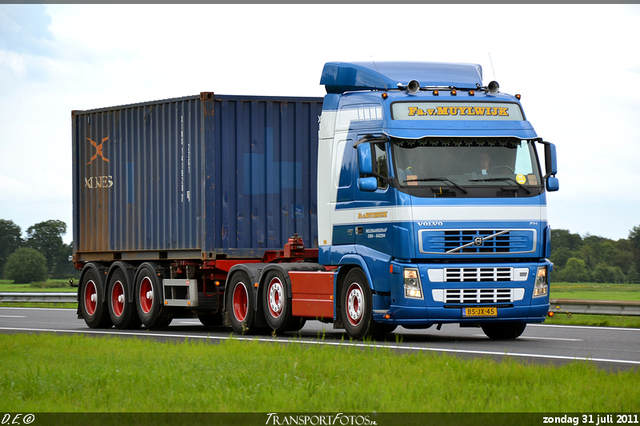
{"points": [[466, 163]]}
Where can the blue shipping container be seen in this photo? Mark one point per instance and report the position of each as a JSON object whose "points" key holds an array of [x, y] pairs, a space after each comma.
{"points": [[201, 177]]}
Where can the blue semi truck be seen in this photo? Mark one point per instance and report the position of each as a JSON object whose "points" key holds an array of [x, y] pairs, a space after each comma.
{"points": [[411, 195]]}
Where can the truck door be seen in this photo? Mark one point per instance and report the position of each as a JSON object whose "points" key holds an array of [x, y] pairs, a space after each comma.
{"points": [[373, 218]]}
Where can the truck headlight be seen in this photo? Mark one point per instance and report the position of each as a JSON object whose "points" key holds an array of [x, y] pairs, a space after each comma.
{"points": [[412, 286], [541, 286]]}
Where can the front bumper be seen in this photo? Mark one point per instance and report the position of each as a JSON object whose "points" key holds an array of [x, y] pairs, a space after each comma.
{"points": [[444, 300]]}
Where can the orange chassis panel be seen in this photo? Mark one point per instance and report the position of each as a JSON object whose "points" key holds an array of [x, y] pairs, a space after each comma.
{"points": [[312, 294]]}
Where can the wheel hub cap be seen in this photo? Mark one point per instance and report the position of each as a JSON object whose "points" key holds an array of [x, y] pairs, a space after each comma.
{"points": [[276, 296], [355, 304]]}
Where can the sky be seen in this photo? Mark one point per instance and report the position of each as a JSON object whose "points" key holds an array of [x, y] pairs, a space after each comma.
{"points": [[576, 67]]}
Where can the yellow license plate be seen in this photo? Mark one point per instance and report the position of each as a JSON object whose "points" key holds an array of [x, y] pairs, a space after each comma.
{"points": [[480, 312]]}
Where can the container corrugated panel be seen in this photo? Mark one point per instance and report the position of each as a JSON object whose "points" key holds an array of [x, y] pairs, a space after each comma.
{"points": [[203, 175]]}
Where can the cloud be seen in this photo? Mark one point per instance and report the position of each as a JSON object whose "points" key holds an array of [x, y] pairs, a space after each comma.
{"points": [[27, 46], [25, 29]]}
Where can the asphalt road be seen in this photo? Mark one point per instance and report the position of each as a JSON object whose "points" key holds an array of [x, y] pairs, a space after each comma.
{"points": [[609, 348]]}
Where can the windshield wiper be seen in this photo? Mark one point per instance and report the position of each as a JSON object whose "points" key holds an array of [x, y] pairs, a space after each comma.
{"points": [[443, 179], [508, 179]]}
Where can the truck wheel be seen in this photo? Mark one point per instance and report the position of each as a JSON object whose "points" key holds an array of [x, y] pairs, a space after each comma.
{"points": [[504, 331], [356, 305], [123, 314], [92, 303], [240, 304], [275, 302], [148, 299]]}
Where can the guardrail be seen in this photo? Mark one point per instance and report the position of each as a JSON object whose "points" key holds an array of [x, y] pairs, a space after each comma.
{"points": [[39, 297], [594, 307]]}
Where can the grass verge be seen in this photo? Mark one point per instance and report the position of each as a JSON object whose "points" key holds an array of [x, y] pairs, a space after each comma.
{"points": [[47, 373], [49, 285], [595, 291], [594, 320]]}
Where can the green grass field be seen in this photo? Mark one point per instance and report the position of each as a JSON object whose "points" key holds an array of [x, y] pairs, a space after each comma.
{"points": [[47, 286], [593, 291], [47, 373]]}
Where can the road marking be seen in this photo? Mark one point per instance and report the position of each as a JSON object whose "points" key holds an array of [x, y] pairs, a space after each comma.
{"points": [[584, 327], [327, 343], [539, 338], [13, 316]]}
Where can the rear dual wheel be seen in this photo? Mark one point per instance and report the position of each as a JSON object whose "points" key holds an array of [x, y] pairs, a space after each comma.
{"points": [[148, 295], [122, 312], [240, 304], [92, 300], [276, 304]]}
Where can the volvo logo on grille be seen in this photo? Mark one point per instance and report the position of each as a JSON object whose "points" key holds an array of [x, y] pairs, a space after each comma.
{"points": [[477, 241]]}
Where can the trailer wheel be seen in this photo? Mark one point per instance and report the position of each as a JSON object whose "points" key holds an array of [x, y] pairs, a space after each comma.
{"points": [[240, 304], [276, 303], [148, 299], [356, 304], [504, 331], [92, 303], [123, 314]]}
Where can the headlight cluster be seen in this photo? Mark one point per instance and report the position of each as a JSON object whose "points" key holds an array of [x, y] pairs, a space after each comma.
{"points": [[412, 286], [541, 286]]}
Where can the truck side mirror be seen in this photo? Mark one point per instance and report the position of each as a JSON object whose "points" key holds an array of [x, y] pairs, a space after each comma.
{"points": [[551, 164], [550, 159], [368, 184], [553, 184], [365, 161], [365, 167]]}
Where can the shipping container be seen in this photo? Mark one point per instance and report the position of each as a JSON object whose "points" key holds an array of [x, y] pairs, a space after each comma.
{"points": [[199, 177]]}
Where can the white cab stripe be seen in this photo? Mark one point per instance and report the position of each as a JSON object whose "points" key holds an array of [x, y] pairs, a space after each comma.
{"points": [[471, 213]]}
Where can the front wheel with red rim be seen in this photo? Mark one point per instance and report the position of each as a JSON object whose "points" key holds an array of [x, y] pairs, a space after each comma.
{"points": [[122, 312], [276, 303], [240, 303], [92, 303], [357, 305], [148, 295]]}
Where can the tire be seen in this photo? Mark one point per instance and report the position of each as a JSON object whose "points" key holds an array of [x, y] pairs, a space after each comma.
{"points": [[276, 303], [240, 304], [123, 314], [92, 300], [504, 330], [148, 294], [356, 305]]}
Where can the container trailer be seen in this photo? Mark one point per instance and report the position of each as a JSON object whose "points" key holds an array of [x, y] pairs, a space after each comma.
{"points": [[410, 195]]}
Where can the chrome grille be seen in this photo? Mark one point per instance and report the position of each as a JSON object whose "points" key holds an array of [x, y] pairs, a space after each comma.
{"points": [[479, 295], [478, 274], [477, 241]]}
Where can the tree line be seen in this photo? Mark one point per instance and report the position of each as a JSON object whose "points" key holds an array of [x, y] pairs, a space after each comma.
{"points": [[39, 256], [575, 258], [595, 259]]}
